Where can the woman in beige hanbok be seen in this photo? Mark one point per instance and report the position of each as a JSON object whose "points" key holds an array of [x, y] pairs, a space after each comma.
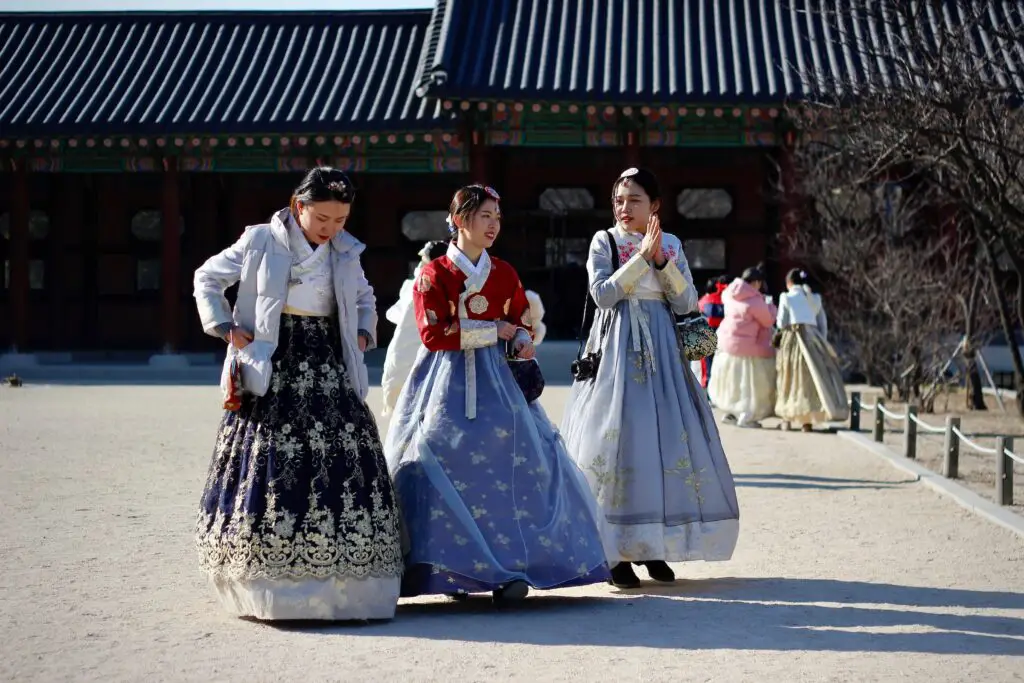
{"points": [[810, 384]]}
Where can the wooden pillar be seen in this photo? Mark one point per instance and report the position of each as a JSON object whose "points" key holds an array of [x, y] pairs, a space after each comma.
{"points": [[477, 157], [19, 288], [170, 257], [66, 208], [632, 149]]}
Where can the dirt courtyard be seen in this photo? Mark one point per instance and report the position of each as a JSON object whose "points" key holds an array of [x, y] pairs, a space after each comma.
{"points": [[846, 570]]}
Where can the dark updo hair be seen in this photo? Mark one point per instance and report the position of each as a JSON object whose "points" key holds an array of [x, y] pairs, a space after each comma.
{"points": [[323, 184], [711, 286], [434, 249], [797, 277], [642, 177], [753, 274], [467, 201]]}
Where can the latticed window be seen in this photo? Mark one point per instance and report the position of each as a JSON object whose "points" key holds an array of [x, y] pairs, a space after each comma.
{"points": [[147, 275], [705, 254], [38, 225], [148, 225], [560, 200], [36, 274], [424, 226], [699, 203]]}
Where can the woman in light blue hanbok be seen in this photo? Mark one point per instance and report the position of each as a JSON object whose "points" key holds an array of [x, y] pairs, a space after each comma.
{"points": [[490, 498], [640, 427]]}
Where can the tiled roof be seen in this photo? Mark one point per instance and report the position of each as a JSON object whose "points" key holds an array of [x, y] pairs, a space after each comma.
{"points": [[655, 51], [212, 72]]}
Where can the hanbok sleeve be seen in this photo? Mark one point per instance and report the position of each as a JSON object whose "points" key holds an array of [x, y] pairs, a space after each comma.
{"points": [[519, 313], [609, 286], [439, 325], [677, 283], [782, 319], [822, 318], [366, 308], [212, 279]]}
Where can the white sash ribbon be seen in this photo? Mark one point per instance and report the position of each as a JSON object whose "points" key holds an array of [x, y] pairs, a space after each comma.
{"points": [[476, 278]]}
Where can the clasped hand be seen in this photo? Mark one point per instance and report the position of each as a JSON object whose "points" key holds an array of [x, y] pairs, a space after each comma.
{"points": [[650, 246]]}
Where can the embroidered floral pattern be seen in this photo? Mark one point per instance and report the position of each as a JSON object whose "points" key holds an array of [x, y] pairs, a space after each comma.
{"points": [[298, 486], [478, 304], [423, 283], [628, 249]]}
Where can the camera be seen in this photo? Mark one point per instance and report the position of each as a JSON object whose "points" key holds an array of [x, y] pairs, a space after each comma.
{"points": [[585, 368]]}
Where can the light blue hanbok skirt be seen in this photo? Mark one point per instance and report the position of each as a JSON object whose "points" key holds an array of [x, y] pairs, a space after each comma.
{"points": [[489, 500], [644, 435]]}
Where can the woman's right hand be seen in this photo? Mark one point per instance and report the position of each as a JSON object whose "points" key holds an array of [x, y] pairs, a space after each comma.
{"points": [[505, 330], [238, 337]]}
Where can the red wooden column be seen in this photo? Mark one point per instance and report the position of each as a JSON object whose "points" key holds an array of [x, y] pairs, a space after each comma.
{"points": [[477, 157], [170, 258], [632, 149], [20, 209]]}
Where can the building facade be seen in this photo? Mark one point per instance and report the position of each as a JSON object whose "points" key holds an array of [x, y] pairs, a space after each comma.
{"points": [[133, 146]]}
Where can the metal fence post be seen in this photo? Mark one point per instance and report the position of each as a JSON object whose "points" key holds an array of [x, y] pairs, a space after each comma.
{"points": [[951, 459], [910, 433], [879, 432], [855, 411], [1004, 471]]}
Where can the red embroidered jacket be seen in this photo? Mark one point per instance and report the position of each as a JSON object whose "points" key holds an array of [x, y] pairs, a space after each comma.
{"points": [[436, 299]]}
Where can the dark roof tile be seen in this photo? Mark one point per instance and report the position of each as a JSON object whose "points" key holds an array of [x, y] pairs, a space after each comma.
{"points": [[212, 72], [654, 51]]}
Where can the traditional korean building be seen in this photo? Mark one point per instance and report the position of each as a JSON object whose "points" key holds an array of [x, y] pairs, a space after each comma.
{"points": [[133, 146]]}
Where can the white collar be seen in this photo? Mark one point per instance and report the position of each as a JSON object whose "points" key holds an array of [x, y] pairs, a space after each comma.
{"points": [[476, 275]]}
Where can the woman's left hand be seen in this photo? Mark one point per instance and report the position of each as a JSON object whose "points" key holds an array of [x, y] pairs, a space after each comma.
{"points": [[526, 351], [654, 230], [362, 343]]}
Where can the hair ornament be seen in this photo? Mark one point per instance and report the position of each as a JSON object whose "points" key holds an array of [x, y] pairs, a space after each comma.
{"points": [[803, 274], [492, 193], [337, 186], [451, 224], [629, 172]]}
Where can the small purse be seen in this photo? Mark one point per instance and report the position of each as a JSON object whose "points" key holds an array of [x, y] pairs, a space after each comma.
{"points": [[528, 376], [699, 340], [584, 368]]}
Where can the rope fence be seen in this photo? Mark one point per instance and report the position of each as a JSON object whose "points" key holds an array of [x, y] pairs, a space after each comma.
{"points": [[913, 427]]}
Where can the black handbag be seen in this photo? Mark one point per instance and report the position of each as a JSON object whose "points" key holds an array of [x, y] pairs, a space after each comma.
{"points": [[584, 368], [528, 376]]}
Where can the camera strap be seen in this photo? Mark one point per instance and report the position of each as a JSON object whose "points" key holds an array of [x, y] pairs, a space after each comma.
{"points": [[584, 330]]}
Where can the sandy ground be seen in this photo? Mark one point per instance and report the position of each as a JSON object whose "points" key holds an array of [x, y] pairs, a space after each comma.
{"points": [[845, 571]]}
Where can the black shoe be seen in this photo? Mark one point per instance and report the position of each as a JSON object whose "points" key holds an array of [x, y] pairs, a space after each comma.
{"points": [[623, 576], [660, 571], [517, 590]]}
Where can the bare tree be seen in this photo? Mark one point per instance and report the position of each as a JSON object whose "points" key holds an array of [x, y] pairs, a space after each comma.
{"points": [[933, 102], [891, 274]]}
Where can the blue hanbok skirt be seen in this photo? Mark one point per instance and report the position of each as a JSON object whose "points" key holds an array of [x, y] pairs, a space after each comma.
{"points": [[644, 435], [489, 500]]}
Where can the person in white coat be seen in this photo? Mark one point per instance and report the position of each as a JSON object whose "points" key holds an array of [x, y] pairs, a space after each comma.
{"points": [[810, 383], [298, 518], [406, 344]]}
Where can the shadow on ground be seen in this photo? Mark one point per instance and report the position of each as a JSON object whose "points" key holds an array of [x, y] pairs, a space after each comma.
{"points": [[729, 614], [797, 481]]}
